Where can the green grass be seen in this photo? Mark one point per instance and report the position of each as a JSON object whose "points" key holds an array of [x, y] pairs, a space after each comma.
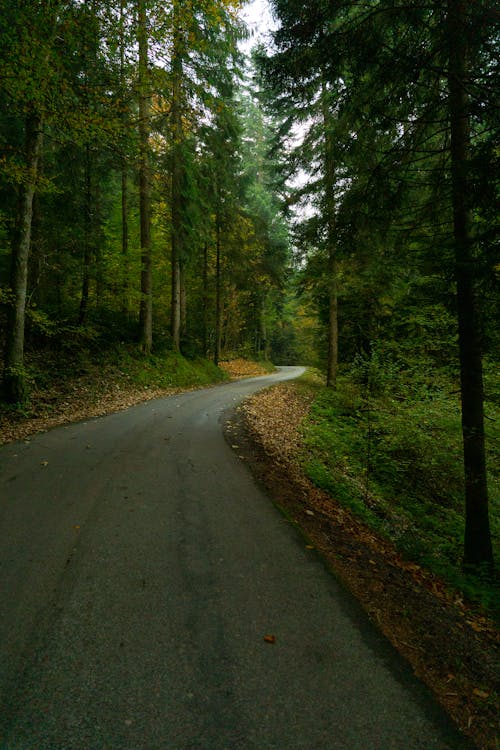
{"points": [[395, 458], [169, 370]]}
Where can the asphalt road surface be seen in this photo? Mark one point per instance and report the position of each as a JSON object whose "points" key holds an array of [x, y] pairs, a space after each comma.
{"points": [[141, 569]]}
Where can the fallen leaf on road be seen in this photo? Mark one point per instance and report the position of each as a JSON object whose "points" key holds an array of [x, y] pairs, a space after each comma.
{"points": [[270, 638]]}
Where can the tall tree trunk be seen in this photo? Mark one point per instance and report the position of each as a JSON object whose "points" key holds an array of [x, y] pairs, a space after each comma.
{"points": [[263, 343], [125, 290], [87, 239], [205, 301], [15, 389], [329, 187], [477, 545], [175, 309], [176, 182], [146, 304], [97, 244], [37, 258], [333, 336], [183, 302], [218, 293], [125, 243]]}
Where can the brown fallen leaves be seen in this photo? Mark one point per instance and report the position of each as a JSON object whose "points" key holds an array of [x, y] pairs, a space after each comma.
{"points": [[450, 646], [274, 416], [83, 403], [242, 368], [93, 395]]}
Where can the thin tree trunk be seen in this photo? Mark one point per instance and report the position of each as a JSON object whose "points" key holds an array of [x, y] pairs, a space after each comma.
{"points": [[263, 344], [333, 345], [146, 304], [87, 241], [37, 247], [125, 306], [125, 242], [205, 301], [175, 309], [477, 544], [183, 302], [96, 237], [329, 183], [176, 183], [15, 389], [218, 295]]}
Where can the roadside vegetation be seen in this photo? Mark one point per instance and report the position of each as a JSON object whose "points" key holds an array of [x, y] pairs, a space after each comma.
{"points": [[386, 443]]}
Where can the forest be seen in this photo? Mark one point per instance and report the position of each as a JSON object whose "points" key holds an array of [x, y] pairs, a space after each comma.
{"points": [[331, 202]]}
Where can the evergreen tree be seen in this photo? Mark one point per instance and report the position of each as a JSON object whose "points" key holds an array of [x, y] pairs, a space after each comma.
{"points": [[398, 77]]}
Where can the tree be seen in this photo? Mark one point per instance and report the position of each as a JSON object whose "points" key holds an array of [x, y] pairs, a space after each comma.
{"points": [[302, 93], [388, 68], [27, 76], [477, 543], [146, 305]]}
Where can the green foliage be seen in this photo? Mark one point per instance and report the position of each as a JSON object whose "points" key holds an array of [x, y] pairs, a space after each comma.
{"points": [[387, 444], [169, 370]]}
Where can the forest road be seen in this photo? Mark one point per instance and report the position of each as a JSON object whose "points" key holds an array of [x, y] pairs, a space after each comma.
{"points": [[141, 570]]}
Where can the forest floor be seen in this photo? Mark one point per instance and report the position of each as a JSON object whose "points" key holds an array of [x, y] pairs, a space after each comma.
{"points": [[451, 646]]}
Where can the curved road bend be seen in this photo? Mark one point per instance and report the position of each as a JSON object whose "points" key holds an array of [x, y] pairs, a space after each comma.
{"points": [[141, 568]]}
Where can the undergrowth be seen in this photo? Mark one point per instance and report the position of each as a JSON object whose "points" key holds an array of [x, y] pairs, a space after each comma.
{"points": [[61, 376], [169, 370], [387, 444]]}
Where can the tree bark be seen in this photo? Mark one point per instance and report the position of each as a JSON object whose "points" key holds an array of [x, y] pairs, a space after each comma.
{"points": [[329, 186], [333, 336], [146, 304], [15, 389], [263, 343], [175, 310], [124, 174], [87, 239], [477, 542], [183, 302], [125, 235], [176, 183], [205, 301], [218, 293]]}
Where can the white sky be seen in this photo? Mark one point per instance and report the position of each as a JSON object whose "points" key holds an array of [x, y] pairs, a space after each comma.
{"points": [[257, 15]]}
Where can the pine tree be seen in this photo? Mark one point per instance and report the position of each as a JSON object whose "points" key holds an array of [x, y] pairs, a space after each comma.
{"points": [[399, 77]]}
